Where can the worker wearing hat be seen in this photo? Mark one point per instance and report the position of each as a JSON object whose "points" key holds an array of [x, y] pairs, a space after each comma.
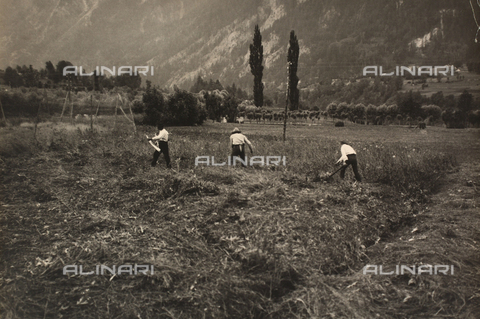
{"points": [[237, 144], [161, 140], [349, 157]]}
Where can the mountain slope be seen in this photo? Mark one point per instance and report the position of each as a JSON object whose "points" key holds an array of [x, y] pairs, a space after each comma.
{"points": [[187, 38]]}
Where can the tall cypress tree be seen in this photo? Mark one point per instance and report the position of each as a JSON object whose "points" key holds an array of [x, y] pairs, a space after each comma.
{"points": [[292, 58], [256, 59]]}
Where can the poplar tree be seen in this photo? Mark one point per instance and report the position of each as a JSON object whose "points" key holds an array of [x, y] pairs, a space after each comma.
{"points": [[292, 58], [256, 59]]}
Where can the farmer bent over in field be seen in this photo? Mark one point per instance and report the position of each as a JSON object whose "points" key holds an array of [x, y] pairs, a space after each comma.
{"points": [[349, 157], [237, 143], [161, 139]]}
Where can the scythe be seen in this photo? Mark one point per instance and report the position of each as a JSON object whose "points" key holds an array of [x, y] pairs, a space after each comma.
{"points": [[153, 145]]}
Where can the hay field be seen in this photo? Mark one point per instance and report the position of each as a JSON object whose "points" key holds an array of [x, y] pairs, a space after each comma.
{"points": [[232, 242]]}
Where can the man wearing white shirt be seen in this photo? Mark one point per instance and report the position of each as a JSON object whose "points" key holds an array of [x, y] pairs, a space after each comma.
{"points": [[237, 143], [162, 141], [349, 157]]}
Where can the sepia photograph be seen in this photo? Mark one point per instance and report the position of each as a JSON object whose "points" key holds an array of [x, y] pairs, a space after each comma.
{"points": [[245, 159]]}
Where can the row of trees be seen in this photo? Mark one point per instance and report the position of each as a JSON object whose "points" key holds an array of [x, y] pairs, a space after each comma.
{"points": [[186, 108], [23, 76], [379, 114], [378, 91], [457, 113], [52, 76], [256, 67], [220, 104], [369, 114], [179, 108], [208, 99]]}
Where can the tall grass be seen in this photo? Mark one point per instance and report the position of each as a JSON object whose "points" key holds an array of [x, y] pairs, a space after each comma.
{"points": [[412, 170]]}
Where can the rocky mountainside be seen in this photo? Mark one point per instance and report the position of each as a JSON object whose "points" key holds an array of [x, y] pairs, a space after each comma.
{"points": [[186, 38]]}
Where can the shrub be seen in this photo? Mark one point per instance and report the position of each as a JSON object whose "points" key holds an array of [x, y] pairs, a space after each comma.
{"points": [[230, 108], [339, 124], [138, 107], [454, 118], [20, 104], [432, 111], [154, 102], [359, 110], [331, 109], [474, 118], [183, 109]]}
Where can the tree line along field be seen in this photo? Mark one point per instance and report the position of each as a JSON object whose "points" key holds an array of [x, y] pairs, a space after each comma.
{"points": [[231, 242], [366, 101]]}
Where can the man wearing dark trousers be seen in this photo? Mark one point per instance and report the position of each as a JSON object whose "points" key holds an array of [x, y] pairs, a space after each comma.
{"points": [[349, 157], [161, 139], [237, 143]]}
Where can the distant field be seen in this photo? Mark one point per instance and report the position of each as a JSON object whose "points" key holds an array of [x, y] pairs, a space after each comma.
{"points": [[462, 142], [471, 83]]}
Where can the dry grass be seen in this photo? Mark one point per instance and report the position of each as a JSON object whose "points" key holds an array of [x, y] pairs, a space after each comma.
{"points": [[230, 242]]}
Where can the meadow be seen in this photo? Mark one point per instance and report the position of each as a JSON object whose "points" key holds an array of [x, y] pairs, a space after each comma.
{"points": [[232, 242], [454, 86]]}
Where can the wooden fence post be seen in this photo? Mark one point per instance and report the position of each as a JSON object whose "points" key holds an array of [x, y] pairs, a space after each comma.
{"points": [[64, 105], [133, 118], [91, 112], [71, 106], [3, 114], [115, 121]]}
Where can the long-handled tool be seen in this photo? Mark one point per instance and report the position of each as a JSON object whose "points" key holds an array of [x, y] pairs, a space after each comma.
{"points": [[153, 145], [325, 177], [338, 170]]}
